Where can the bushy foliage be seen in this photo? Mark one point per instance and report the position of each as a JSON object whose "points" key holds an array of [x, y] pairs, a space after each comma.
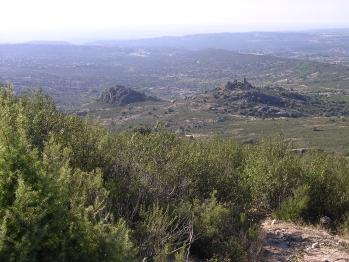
{"points": [[272, 173], [70, 190], [48, 210], [328, 180]]}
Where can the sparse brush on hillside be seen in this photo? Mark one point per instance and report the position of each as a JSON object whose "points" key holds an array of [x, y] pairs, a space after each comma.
{"points": [[71, 191]]}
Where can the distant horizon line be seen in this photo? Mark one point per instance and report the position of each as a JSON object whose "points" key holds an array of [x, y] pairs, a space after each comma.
{"points": [[85, 40]]}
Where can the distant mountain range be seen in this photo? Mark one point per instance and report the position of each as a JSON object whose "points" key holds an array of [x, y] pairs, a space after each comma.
{"points": [[48, 43], [178, 67], [334, 41]]}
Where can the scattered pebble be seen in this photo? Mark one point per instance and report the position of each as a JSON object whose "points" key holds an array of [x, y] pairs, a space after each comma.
{"points": [[285, 240], [315, 245]]}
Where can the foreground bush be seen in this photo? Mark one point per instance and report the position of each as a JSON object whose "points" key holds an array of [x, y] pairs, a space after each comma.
{"points": [[70, 190], [49, 211]]}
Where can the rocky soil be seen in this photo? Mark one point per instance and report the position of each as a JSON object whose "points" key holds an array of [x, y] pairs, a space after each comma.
{"points": [[281, 241]]}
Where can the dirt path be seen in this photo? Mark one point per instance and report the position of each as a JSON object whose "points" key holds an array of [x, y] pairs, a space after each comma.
{"points": [[283, 241]]}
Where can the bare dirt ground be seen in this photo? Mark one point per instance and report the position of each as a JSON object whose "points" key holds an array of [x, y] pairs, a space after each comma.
{"points": [[281, 241]]}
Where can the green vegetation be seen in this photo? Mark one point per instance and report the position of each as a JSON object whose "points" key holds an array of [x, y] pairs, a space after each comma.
{"points": [[330, 134], [72, 191]]}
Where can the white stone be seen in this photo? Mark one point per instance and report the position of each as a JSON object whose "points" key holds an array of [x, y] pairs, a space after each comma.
{"points": [[315, 245]]}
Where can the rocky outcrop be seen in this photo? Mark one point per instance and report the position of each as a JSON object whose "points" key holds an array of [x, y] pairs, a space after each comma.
{"points": [[120, 95], [245, 99], [238, 85]]}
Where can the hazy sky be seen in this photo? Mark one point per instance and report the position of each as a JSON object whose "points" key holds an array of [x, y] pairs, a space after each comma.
{"points": [[34, 19]]}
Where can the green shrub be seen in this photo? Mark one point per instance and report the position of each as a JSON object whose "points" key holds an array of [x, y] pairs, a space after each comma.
{"points": [[160, 234], [293, 208], [72, 191], [328, 181], [49, 211], [273, 173]]}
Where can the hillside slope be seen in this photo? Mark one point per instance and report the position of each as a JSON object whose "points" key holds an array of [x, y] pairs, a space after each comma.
{"points": [[120, 95]]}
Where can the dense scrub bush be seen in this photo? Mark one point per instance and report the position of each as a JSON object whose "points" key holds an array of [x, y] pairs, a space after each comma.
{"points": [[327, 178], [293, 207], [70, 190], [49, 211], [273, 173]]}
